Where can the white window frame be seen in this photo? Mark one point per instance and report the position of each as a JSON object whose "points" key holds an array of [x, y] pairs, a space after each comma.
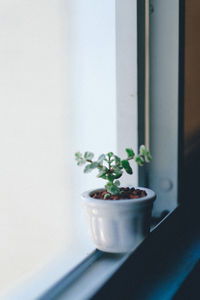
{"points": [[98, 267]]}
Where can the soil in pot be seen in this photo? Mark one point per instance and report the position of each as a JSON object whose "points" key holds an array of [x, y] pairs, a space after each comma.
{"points": [[126, 193]]}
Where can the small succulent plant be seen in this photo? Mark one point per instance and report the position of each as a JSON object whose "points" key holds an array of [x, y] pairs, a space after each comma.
{"points": [[111, 167]]}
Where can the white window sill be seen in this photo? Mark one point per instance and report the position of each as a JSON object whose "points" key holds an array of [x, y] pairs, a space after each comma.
{"points": [[54, 283]]}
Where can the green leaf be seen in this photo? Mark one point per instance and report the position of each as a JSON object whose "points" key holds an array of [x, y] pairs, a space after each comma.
{"points": [[112, 188], [117, 172], [87, 169], [143, 150], [101, 158], [102, 174], [108, 184], [118, 175], [110, 177], [81, 162], [110, 154], [106, 196], [117, 160], [90, 167], [139, 160], [117, 169], [148, 157], [130, 153], [127, 166], [78, 155], [88, 155], [117, 183]]}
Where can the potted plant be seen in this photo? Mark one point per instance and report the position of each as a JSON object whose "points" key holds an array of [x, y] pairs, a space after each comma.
{"points": [[118, 218]]}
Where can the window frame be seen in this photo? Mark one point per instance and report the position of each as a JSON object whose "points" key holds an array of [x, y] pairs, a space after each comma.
{"points": [[101, 265]]}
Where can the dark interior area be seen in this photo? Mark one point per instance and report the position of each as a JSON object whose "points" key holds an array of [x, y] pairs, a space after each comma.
{"points": [[191, 168]]}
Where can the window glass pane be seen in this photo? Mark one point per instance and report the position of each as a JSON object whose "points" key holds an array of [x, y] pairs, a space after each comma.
{"points": [[57, 91]]}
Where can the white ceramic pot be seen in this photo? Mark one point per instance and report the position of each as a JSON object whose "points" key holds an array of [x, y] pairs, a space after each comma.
{"points": [[118, 226]]}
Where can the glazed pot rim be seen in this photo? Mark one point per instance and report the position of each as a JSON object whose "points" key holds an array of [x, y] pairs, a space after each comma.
{"points": [[86, 197]]}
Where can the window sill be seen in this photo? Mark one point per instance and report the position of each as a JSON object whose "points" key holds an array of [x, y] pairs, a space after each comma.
{"points": [[88, 278], [96, 269], [100, 274]]}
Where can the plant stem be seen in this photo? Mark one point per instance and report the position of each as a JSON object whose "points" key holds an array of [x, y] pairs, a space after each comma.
{"points": [[109, 164], [90, 161]]}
